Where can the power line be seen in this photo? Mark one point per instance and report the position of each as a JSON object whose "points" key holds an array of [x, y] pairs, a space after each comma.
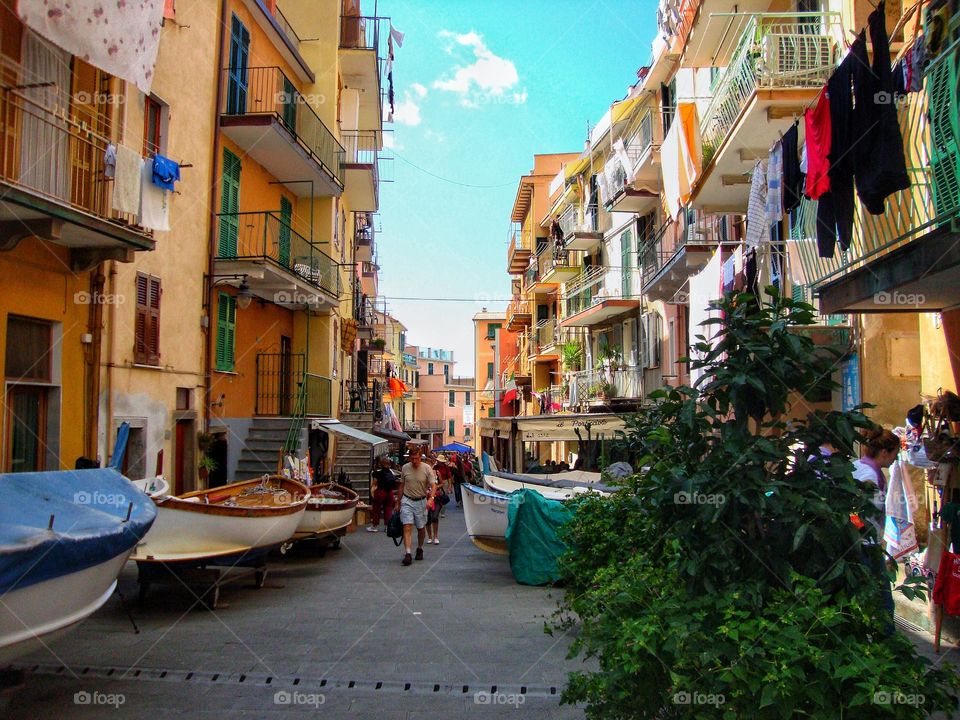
{"points": [[448, 180]]}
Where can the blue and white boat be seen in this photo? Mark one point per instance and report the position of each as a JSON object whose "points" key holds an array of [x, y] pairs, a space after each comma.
{"points": [[485, 512], [64, 538]]}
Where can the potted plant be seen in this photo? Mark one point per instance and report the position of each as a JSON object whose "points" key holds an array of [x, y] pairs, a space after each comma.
{"points": [[378, 343], [206, 466], [572, 355]]}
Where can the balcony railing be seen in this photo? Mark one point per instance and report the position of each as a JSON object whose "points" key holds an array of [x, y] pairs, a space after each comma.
{"points": [[267, 91], [584, 219], [911, 213], [363, 229], [360, 147], [319, 395], [279, 376], [546, 334], [359, 33], [585, 385], [787, 50], [267, 236], [364, 313], [51, 155], [286, 27], [585, 290]]}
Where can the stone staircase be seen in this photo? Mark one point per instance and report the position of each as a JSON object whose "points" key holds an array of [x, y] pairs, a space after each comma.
{"points": [[353, 456], [261, 449]]}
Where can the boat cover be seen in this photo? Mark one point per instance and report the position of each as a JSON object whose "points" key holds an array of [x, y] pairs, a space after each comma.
{"points": [[89, 510], [533, 536]]}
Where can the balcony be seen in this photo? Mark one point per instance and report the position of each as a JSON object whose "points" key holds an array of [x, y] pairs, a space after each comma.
{"points": [[675, 253], [285, 389], [280, 32], [365, 316], [713, 28], [558, 266], [52, 184], [779, 65], [909, 253], [271, 121], [360, 173], [368, 278], [518, 314], [590, 302], [360, 64], [639, 194], [583, 226], [278, 264], [363, 236], [519, 251], [585, 386], [542, 341]]}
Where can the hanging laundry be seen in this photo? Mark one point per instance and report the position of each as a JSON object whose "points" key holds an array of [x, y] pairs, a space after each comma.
{"points": [[817, 129], [918, 65], [757, 228], [390, 91], [165, 172], [793, 177], [681, 157], [728, 273], [396, 36], [121, 38], [126, 181], [154, 200], [110, 161], [775, 184], [881, 168]]}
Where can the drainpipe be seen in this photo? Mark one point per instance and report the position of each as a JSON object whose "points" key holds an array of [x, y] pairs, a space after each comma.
{"points": [[212, 232], [111, 332], [95, 322]]}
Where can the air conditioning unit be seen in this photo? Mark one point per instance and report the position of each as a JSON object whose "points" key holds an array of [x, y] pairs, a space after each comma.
{"points": [[792, 59]]}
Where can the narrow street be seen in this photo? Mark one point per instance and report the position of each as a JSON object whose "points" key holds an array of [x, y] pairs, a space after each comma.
{"points": [[351, 634]]}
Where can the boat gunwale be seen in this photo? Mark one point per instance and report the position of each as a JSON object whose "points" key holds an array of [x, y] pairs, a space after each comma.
{"points": [[299, 493], [332, 507]]}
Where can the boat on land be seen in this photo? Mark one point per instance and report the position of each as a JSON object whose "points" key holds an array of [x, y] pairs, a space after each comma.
{"points": [[485, 512], [64, 538], [557, 486], [156, 487], [329, 508], [236, 520]]}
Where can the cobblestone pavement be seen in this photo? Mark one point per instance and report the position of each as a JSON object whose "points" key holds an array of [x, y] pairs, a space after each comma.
{"points": [[352, 633]]}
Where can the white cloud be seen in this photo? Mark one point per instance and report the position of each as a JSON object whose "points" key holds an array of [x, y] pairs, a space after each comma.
{"points": [[419, 90], [485, 80], [407, 111]]}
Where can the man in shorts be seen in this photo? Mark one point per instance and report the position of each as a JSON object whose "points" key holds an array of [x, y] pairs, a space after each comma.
{"points": [[416, 485]]}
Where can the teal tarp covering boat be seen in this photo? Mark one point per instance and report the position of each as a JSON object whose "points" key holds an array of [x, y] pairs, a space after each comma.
{"points": [[533, 536]]}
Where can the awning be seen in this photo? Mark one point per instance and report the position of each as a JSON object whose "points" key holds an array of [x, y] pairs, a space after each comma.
{"points": [[489, 427], [621, 109], [549, 428], [391, 435], [338, 427]]}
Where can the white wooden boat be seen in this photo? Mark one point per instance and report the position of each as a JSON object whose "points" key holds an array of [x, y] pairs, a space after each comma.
{"points": [[559, 486], [330, 508], [64, 538], [225, 521], [485, 512], [156, 487]]}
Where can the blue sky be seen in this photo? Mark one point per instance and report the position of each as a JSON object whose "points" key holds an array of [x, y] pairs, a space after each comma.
{"points": [[481, 86]]}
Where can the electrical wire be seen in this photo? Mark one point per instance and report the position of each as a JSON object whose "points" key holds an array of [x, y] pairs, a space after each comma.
{"points": [[400, 157]]}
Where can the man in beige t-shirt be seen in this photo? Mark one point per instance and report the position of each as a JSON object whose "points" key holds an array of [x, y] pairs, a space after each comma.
{"points": [[417, 483]]}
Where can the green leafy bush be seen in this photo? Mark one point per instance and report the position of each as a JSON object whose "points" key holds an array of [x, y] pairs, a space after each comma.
{"points": [[726, 579]]}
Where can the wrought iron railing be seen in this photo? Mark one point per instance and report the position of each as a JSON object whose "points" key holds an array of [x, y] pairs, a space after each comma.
{"points": [[584, 219], [585, 290], [278, 382], [776, 50], [259, 91], [585, 385], [364, 232], [48, 153], [910, 213], [268, 236], [360, 147], [360, 33], [286, 27]]}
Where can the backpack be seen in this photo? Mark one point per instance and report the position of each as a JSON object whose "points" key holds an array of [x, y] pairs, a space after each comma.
{"points": [[395, 529]]}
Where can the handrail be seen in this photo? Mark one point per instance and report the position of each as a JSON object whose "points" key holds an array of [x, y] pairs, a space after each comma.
{"points": [[258, 91]]}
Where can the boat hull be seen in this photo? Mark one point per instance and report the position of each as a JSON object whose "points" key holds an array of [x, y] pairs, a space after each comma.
{"points": [[505, 486], [188, 531], [33, 616], [155, 487], [485, 513], [322, 518]]}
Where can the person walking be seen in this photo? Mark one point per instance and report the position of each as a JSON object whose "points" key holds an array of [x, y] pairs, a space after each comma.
{"points": [[443, 472], [434, 504], [417, 483], [383, 484], [459, 478]]}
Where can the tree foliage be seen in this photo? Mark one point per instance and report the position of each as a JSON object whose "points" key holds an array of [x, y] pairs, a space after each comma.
{"points": [[726, 580]]}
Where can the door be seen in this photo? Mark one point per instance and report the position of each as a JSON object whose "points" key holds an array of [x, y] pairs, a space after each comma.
{"points": [[179, 460], [237, 74], [27, 423], [229, 206], [286, 217], [286, 375]]}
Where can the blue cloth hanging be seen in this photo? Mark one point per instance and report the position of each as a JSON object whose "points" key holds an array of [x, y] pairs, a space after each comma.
{"points": [[165, 172]]}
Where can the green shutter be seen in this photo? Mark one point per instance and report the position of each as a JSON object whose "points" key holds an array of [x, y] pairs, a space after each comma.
{"points": [[626, 264], [289, 104], [797, 293], [226, 331], [229, 206], [452, 427], [286, 217], [942, 82]]}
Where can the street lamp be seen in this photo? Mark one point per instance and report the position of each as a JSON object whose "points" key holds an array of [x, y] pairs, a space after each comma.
{"points": [[244, 296]]}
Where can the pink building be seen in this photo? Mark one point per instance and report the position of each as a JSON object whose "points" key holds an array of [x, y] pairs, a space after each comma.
{"points": [[446, 402]]}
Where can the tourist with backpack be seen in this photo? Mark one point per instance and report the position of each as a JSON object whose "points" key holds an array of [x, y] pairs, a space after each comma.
{"points": [[417, 483]]}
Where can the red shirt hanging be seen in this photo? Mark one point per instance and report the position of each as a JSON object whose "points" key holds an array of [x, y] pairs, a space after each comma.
{"points": [[818, 133]]}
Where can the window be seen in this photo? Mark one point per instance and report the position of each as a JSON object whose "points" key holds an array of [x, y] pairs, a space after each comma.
{"points": [[452, 428], [466, 433], [28, 349], [492, 330], [226, 331], [154, 126], [489, 371], [446, 374], [429, 368], [452, 399], [626, 264], [466, 398], [146, 350], [416, 379], [668, 104]]}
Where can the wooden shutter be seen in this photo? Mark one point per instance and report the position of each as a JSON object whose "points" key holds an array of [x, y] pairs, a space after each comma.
{"points": [[146, 349], [226, 332], [237, 76], [286, 218], [229, 206]]}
